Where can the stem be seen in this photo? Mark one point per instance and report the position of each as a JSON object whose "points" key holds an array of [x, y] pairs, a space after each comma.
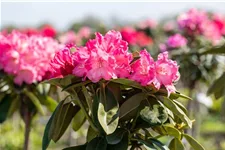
{"points": [[85, 112], [27, 120]]}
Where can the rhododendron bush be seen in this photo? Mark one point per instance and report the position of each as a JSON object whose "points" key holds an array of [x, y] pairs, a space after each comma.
{"points": [[129, 99], [24, 63]]}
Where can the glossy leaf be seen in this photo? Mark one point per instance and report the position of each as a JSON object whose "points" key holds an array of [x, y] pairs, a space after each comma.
{"points": [[5, 104], [176, 144], [194, 144], [127, 82], [98, 143], [62, 119], [91, 134], [131, 104], [79, 147], [78, 120], [116, 136], [47, 137], [108, 111], [168, 130], [122, 145], [61, 82]]}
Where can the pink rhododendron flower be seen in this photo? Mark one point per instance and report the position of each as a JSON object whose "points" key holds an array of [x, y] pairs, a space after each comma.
{"points": [[176, 41], [69, 37], [166, 72], [129, 35], [84, 32], [142, 39], [48, 30], [149, 23], [192, 20], [211, 32], [219, 21], [143, 70], [62, 64], [26, 57]]}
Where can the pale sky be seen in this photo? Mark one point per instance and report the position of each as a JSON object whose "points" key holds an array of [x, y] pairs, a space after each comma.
{"points": [[62, 14]]}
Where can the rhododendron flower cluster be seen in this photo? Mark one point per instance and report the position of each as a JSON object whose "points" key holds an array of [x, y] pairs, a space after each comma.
{"points": [[75, 38], [134, 37], [176, 41], [26, 57], [198, 22], [107, 57]]}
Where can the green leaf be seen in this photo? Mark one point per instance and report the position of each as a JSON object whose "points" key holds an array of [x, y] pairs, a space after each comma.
{"points": [[91, 134], [178, 94], [47, 138], [127, 82], [158, 144], [176, 110], [108, 110], [35, 101], [62, 82], [176, 144], [5, 104], [194, 144], [87, 97], [181, 106], [62, 119], [218, 87], [79, 147], [14, 106], [74, 85], [168, 130], [50, 103], [215, 50], [98, 143], [147, 143], [122, 145], [131, 104], [78, 120], [116, 136]]}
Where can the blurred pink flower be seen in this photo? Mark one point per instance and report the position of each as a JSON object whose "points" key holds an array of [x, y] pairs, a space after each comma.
{"points": [[48, 30], [143, 70], [149, 23], [211, 31], [142, 39], [176, 41], [129, 35], [84, 32], [192, 20], [219, 21], [69, 37], [22, 55], [166, 72]]}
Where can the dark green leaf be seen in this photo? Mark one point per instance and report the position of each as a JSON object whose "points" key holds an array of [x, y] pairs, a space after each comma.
{"points": [[91, 134], [98, 143], [79, 147], [176, 144], [62, 82], [74, 85], [194, 144], [14, 106], [131, 104], [177, 95], [122, 145], [168, 130], [147, 143], [218, 87], [5, 106], [116, 136], [78, 120], [47, 138], [127, 82], [62, 119]]}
